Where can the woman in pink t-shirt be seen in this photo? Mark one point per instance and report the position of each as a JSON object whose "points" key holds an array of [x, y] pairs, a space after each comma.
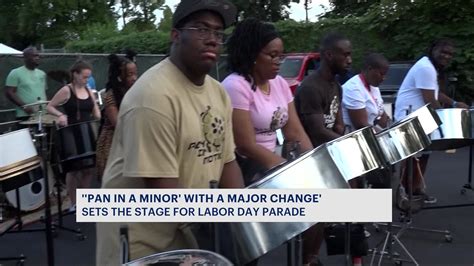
{"points": [[261, 99]]}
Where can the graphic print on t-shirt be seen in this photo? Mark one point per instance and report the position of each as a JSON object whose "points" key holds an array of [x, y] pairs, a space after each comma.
{"points": [[279, 118], [210, 148], [330, 119]]}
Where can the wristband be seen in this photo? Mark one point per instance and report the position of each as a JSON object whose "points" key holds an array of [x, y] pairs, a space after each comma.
{"points": [[454, 103]]}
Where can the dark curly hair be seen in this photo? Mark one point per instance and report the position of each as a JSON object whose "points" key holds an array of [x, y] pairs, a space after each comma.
{"points": [[441, 42], [245, 43], [114, 83]]}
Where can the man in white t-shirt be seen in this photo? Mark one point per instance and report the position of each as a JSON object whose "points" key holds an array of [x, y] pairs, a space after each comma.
{"points": [[421, 86], [362, 103]]}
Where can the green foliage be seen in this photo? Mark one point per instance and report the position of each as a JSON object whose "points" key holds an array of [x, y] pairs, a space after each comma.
{"points": [[137, 25], [148, 42], [267, 10], [100, 31], [55, 22], [139, 12], [293, 33], [403, 30], [167, 20]]}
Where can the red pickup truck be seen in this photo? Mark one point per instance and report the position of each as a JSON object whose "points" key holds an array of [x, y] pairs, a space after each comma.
{"points": [[296, 66]]}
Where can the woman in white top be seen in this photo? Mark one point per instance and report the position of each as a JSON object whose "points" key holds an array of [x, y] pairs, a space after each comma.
{"points": [[362, 103]]}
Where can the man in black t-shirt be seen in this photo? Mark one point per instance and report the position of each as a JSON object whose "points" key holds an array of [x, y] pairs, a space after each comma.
{"points": [[318, 103], [318, 99]]}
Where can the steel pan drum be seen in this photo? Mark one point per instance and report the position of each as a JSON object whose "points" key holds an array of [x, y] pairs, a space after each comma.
{"points": [[356, 153], [455, 132], [76, 144], [428, 118], [185, 257], [402, 140], [46, 120], [19, 161], [320, 168]]}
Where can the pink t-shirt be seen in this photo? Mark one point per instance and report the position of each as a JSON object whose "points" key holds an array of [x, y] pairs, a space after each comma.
{"points": [[267, 112]]}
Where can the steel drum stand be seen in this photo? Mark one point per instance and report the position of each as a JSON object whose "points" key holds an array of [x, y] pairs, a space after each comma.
{"points": [[467, 186], [40, 136], [294, 246], [58, 224], [49, 229], [391, 238], [18, 222]]}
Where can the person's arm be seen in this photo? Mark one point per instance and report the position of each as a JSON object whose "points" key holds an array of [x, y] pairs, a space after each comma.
{"points": [[10, 94], [359, 118], [244, 137], [310, 108], [318, 133], [111, 108], [58, 99], [95, 109], [231, 176], [383, 121], [111, 111], [446, 100], [294, 131], [339, 123], [429, 97]]}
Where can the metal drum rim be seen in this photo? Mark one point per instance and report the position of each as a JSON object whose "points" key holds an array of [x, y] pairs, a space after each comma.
{"points": [[176, 253]]}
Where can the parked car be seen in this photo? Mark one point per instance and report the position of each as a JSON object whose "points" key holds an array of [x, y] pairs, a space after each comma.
{"points": [[296, 66], [390, 86], [393, 80]]}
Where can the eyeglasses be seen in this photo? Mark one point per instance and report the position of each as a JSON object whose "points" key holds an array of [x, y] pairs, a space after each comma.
{"points": [[206, 34], [275, 57]]}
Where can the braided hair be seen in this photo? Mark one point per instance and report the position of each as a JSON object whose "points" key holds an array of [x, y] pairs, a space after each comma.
{"points": [[441, 42], [115, 82], [244, 45]]}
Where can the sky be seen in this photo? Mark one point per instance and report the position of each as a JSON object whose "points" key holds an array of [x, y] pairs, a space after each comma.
{"points": [[297, 11]]}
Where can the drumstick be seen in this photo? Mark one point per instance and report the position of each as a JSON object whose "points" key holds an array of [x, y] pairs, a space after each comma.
{"points": [[9, 122], [35, 103]]}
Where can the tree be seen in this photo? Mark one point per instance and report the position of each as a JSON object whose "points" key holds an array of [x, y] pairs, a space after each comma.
{"points": [[341, 8], [267, 10], [139, 14], [9, 32], [167, 20], [55, 22]]}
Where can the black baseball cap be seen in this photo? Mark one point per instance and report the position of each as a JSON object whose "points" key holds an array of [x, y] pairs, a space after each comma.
{"points": [[224, 8]]}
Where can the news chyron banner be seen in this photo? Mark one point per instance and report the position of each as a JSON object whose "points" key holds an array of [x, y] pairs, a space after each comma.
{"points": [[234, 205]]}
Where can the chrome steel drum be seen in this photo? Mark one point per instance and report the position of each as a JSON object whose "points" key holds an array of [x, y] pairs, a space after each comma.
{"points": [[314, 169], [185, 257], [356, 153], [428, 118], [455, 132], [19, 160], [402, 140], [47, 120], [76, 145]]}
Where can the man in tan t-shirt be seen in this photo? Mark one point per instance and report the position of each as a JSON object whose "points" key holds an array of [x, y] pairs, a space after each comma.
{"points": [[174, 130]]}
